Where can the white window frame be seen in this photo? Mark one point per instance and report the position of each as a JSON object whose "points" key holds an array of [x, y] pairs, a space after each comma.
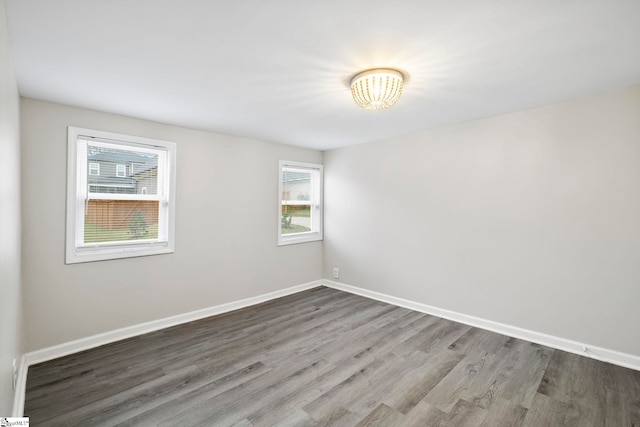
{"points": [[77, 193], [94, 167], [122, 168], [316, 203]]}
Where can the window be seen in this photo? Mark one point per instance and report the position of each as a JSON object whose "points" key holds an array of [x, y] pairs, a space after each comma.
{"points": [[111, 215], [94, 168], [300, 206]]}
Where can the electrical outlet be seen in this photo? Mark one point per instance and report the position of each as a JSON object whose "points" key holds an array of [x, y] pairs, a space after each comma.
{"points": [[15, 374], [336, 273]]}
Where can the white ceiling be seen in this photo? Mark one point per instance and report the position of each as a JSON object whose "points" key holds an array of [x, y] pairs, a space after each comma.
{"points": [[278, 70]]}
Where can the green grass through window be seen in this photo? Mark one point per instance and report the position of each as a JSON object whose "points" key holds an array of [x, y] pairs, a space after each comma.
{"points": [[94, 234]]}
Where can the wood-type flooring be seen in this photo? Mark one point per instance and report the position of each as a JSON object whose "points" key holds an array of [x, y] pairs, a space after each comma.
{"points": [[329, 358]]}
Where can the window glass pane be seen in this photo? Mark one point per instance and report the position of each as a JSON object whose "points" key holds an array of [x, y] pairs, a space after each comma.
{"points": [[296, 219], [120, 220], [296, 200], [113, 179], [120, 196], [296, 184]]}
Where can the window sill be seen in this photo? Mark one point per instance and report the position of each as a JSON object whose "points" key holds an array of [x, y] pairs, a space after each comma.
{"points": [[299, 238], [107, 253]]}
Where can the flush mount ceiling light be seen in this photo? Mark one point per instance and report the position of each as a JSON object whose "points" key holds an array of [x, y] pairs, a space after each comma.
{"points": [[377, 89]]}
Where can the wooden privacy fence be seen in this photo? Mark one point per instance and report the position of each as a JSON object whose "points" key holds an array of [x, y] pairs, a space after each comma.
{"points": [[117, 214]]}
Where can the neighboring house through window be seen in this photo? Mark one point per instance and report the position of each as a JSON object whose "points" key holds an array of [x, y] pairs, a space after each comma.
{"points": [[94, 168], [111, 214], [300, 210]]}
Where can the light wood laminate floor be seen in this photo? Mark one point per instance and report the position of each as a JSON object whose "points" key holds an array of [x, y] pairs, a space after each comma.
{"points": [[328, 358]]}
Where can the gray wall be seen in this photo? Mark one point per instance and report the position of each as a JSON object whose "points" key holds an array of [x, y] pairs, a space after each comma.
{"points": [[10, 292], [226, 230], [531, 218]]}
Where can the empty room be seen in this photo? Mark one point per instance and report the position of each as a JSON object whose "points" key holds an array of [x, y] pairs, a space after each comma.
{"points": [[297, 213]]}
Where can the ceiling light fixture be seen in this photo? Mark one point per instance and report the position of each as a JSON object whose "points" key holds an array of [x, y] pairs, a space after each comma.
{"points": [[377, 89]]}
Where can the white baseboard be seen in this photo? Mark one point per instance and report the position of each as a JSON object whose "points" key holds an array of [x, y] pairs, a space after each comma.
{"points": [[93, 341], [64, 349], [49, 353], [610, 356], [19, 392]]}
